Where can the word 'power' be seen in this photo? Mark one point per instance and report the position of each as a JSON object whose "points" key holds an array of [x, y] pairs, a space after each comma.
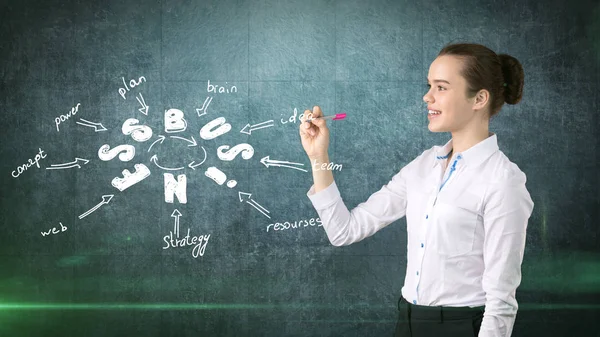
{"points": [[64, 118]]}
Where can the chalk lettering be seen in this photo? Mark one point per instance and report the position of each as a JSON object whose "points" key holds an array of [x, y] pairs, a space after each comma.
{"points": [[64, 118], [125, 152], [326, 167], [132, 84], [214, 88], [226, 154], [175, 187], [174, 121], [197, 250], [54, 230], [140, 133], [293, 118], [214, 128], [129, 179], [30, 163], [296, 224]]}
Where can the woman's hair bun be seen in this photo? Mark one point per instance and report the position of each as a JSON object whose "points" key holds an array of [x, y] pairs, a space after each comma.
{"points": [[513, 77]]}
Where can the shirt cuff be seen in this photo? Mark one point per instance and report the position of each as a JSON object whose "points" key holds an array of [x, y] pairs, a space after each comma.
{"points": [[324, 198]]}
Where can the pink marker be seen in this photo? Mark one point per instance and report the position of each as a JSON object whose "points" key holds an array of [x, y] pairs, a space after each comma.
{"points": [[335, 117]]}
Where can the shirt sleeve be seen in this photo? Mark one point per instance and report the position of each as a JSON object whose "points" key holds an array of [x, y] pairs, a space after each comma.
{"points": [[506, 214], [344, 227]]}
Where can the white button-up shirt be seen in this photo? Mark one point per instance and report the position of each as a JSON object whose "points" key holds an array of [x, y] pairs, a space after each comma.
{"points": [[466, 228]]}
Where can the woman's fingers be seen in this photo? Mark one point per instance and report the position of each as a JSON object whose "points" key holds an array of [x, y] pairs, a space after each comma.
{"points": [[313, 127], [305, 127], [317, 111]]}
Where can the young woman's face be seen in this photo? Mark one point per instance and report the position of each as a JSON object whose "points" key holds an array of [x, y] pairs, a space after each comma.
{"points": [[447, 94]]}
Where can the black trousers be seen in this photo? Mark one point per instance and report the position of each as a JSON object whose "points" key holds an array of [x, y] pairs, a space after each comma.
{"points": [[424, 321]]}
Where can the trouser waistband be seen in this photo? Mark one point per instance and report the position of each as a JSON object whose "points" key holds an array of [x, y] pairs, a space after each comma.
{"points": [[436, 313]]}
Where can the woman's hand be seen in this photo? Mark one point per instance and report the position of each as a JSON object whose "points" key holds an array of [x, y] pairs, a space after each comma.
{"points": [[314, 134]]}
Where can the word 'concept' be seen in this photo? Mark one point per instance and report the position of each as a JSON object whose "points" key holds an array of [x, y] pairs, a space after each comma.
{"points": [[296, 224], [199, 242], [54, 230], [64, 118], [214, 88], [31, 162], [326, 167]]}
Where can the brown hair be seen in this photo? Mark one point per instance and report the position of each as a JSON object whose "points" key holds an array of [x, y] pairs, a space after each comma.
{"points": [[501, 74]]}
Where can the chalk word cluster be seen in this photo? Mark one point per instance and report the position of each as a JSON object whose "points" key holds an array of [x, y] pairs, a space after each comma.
{"points": [[293, 118], [199, 242], [214, 88], [31, 162], [326, 167], [54, 230], [296, 224], [174, 122], [64, 118], [132, 84]]}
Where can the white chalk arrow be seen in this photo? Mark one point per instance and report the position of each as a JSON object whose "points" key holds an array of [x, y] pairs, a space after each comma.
{"points": [[192, 142], [144, 108], [204, 107], [97, 126], [160, 139], [176, 215], [154, 159], [105, 200], [268, 162], [193, 164], [75, 163], [256, 127], [253, 203]]}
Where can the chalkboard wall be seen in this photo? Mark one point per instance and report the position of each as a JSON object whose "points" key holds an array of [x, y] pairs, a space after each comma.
{"points": [[152, 180]]}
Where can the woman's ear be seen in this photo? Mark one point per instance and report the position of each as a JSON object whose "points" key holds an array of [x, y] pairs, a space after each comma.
{"points": [[481, 99]]}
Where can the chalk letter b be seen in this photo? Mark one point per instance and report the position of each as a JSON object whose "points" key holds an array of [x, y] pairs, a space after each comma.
{"points": [[174, 121]]}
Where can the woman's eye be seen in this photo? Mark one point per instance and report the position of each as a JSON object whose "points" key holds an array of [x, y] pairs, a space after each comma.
{"points": [[439, 87]]}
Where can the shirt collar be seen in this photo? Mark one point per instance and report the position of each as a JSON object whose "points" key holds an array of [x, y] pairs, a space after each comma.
{"points": [[475, 155]]}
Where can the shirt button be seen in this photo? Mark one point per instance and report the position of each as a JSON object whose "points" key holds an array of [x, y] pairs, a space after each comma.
{"points": [[414, 301], [417, 272], [422, 245], [426, 216]]}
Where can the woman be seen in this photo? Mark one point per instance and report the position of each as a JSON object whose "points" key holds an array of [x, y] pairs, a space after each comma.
{"points": [[466, 204]]}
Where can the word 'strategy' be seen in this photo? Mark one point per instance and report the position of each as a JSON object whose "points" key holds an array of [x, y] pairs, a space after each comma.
{"points": [[31, 162], [199, 242], [64, 118], [172, 240], [296, 224]]}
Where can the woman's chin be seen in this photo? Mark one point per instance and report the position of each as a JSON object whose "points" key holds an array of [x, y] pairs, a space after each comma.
{"points": [[435, 128]]}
